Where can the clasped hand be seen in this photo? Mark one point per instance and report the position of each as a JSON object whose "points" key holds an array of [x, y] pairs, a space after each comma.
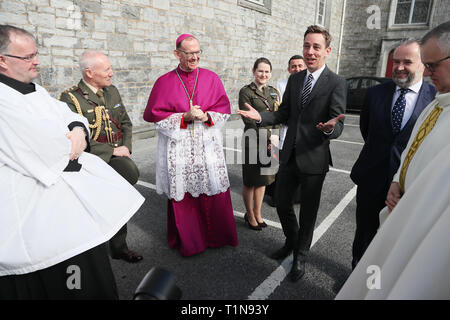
{"points": [[194, 114], [78, 138]]}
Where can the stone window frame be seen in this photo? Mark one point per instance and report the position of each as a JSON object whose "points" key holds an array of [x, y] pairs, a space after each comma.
{"points": [[321, 16], [409, 26], [325, 14], [263, 6]]}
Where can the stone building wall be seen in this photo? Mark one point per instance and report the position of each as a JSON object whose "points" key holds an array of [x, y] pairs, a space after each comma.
{"points": [[139, 35], [365, 50]]}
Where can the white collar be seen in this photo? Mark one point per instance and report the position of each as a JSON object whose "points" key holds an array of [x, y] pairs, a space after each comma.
{"points": [[316, 74], [443, 99], [415, 87]]}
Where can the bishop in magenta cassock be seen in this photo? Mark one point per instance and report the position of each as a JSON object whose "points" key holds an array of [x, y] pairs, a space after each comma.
{"points": [[189, 106]]}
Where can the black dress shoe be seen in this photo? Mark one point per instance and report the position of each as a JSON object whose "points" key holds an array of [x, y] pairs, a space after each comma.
{"points": [[256, 228], [297, 271], [281, 253], [128, 256], [262, 224]]}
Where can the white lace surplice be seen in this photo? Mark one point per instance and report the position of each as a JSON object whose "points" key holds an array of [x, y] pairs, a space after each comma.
{"points": [[189, 160]]}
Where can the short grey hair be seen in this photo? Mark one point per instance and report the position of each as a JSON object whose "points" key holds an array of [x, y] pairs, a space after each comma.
{"points": [[5, 35], [442, 35], [88, 60]]}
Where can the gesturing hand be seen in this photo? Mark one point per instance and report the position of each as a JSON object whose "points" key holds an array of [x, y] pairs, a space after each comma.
{"points": [[78, 139], [250, 114], [329, 126]]}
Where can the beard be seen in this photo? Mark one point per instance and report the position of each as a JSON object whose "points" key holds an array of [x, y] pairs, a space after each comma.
{"points": [[403, 83]]}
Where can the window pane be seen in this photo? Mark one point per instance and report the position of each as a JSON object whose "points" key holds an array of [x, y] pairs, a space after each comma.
{"points": [[402, 12], [321, 12], [321, 7], [352, 83], [420, 13], [260, 2], [367, 83]]}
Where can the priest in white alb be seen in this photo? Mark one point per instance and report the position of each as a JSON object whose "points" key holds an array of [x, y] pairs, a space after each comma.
{"points": [[58, 203], [409, 257]]}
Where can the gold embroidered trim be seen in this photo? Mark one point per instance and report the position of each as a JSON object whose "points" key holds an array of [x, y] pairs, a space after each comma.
{"points": [[100, 114], [424, 130]]}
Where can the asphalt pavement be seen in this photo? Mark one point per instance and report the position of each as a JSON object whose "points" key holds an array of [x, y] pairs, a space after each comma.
{"points": [[246, 271]]}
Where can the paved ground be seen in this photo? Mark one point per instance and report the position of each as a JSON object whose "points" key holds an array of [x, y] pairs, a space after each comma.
{"points": [[246, 272]]}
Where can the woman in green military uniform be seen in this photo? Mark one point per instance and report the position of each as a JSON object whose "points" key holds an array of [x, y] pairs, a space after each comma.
{"points": [[263, 98]]}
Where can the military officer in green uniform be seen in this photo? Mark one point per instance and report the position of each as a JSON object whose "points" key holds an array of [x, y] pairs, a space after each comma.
{"points": [[263, 98], [111, 129]]}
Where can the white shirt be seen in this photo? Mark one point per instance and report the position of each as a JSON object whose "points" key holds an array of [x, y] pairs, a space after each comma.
{"points": [[281, 86], [316, 74], [411, 99]]}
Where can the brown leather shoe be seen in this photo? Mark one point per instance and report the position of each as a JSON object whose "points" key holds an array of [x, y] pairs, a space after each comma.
{"points": [[129, 256]]}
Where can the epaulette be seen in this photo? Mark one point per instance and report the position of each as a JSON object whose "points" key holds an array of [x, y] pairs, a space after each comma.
{"points": [[67, 91]]}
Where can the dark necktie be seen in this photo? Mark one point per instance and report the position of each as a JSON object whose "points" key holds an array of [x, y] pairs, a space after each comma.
{"points": [[101, 96], [398, 110], [307, 89]]}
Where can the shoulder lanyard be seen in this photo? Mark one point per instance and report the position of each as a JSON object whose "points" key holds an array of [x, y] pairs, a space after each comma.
{"points": [[185, 89]]}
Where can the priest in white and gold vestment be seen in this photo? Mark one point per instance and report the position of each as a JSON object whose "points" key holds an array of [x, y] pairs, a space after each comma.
{"points": [[410, 256]]}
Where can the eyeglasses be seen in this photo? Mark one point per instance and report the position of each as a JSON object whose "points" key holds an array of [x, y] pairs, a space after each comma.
{"points": [[431, 66], [27, 58], [191, 54]]}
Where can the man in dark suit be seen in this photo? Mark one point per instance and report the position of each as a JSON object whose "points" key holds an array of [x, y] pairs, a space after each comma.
{"points": [[389, 113], [313, 106]]}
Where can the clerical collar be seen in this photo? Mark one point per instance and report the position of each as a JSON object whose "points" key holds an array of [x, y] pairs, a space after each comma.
{"points": [[181, 71], [22, 87]]}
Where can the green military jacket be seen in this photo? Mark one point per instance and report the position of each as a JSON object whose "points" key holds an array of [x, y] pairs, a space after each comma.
{"points": [[263, 101], [110, 125]]}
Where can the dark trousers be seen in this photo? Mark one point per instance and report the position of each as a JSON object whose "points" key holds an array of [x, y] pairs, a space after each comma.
{"points": [[369, 203], [128, 170], [298, 236], [91, 269]]}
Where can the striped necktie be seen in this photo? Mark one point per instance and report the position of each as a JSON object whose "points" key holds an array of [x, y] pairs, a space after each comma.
{"points": [[398, 110], [307, 89]]}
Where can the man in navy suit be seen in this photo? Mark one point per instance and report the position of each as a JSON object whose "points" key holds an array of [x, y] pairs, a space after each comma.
{"points": [[388, 115], [313, 107]]}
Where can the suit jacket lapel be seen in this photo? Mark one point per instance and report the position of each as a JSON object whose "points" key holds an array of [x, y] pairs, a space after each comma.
{"points": [[387, 103], [320, 83], [298, 87], [420, 105]]}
